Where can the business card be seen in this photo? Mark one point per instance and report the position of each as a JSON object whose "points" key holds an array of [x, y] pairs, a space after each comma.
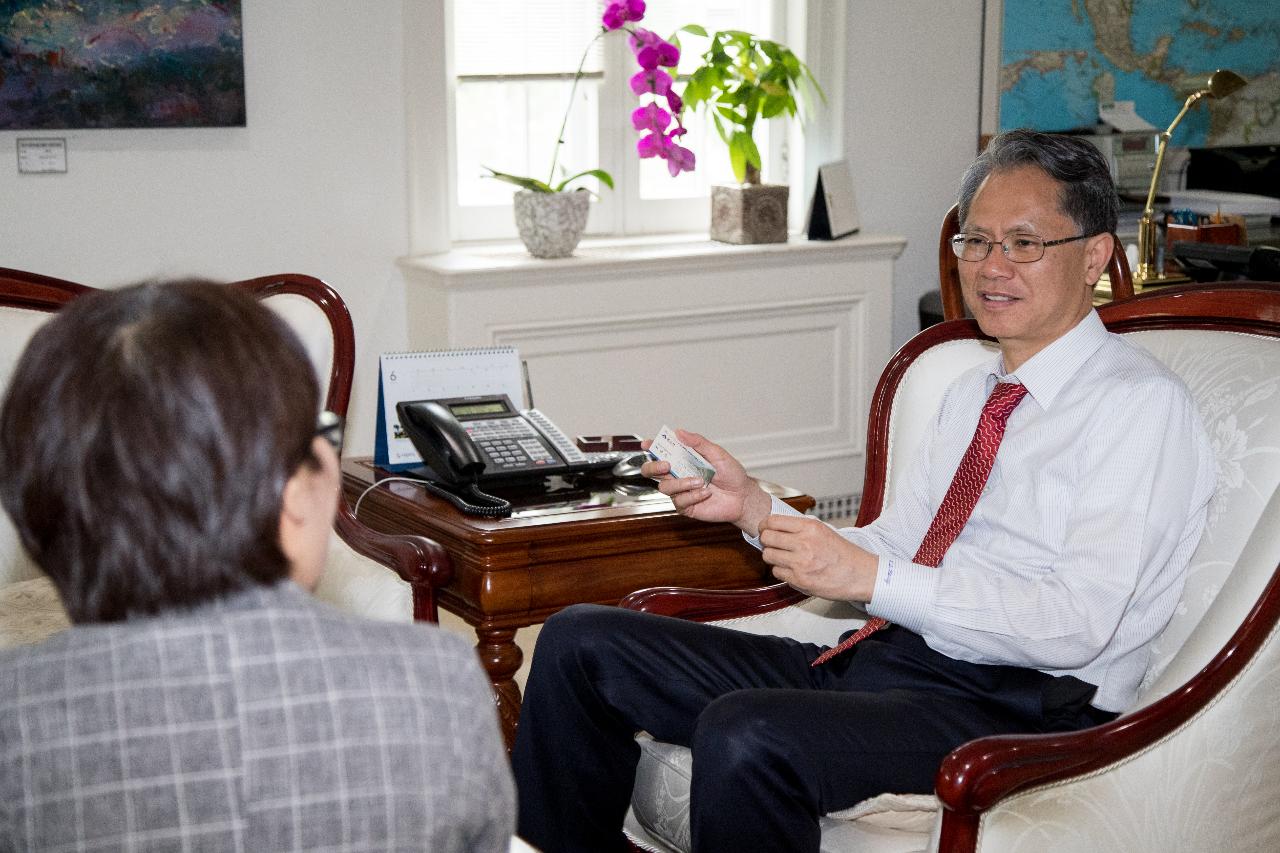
{"points": [[684, 460]]}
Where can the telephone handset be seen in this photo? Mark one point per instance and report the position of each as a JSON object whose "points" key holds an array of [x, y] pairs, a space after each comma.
{"points": [[470, 440]]}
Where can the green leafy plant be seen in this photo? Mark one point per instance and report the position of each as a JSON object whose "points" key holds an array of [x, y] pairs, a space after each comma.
{"points": [[743, 79]]}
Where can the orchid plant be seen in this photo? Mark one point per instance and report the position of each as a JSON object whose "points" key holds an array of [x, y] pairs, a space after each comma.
{"points": [[659, 138]]}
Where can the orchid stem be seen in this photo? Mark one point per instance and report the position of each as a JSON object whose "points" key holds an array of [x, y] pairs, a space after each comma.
{"points": [[555, 155]]}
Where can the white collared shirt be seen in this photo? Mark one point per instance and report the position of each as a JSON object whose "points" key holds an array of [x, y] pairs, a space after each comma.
{"points": [[1075, 555]]}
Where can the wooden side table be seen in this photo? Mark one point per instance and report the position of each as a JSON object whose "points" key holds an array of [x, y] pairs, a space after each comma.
{"points": [[576, 544]]}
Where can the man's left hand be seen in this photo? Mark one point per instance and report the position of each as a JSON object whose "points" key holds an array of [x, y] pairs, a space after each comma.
{"points": [[811, 557]]}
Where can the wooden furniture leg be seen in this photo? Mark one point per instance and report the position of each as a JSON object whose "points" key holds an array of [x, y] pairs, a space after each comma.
{"points": [[501, 658]]}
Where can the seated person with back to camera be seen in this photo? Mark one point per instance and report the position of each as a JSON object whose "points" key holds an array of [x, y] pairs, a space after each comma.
{"points": [[162, 462], [1010, 592]]}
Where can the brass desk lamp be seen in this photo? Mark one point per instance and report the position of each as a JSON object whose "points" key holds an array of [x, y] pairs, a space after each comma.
{"points": [[1221, 83]]}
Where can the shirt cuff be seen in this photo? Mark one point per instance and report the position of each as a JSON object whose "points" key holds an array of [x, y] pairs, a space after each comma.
{"points": [[777, 507], [903, 593]]}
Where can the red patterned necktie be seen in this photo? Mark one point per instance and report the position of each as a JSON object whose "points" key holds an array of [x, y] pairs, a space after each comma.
{"points": [[961, 497]]}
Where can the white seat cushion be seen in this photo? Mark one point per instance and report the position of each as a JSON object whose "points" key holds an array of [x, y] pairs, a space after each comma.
{"points": [[30, 611], [659, 818], [17, 325], [359, 585]]}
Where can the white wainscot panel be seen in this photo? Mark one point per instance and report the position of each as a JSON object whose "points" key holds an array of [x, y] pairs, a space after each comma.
{"points": [[771, 351], [774, 383]]}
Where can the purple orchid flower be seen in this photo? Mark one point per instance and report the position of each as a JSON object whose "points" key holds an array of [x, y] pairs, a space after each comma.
{"points": [[652, 145], [652, 53], [651, 80], [651, 50], [619, 12], [650, 117], [679, 159]]}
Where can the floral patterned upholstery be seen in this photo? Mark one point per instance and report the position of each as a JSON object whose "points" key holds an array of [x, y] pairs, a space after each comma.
{"points": [[1214, 782], [30, 610], [1210, 783], [1236, 383]]}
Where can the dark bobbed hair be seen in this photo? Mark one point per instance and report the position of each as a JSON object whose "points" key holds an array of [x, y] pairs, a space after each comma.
{"points": [[145, 440], [1087, 195]]}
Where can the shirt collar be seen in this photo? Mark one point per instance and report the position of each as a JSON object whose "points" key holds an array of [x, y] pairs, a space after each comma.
{"points": [[1048, 371]]}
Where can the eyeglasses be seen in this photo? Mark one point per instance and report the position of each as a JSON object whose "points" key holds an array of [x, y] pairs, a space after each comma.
{"points": [[329, 427], [1019, 248]]}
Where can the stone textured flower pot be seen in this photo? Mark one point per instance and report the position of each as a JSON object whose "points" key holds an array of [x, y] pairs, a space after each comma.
{"points": [[551, 224], [749, 213]]}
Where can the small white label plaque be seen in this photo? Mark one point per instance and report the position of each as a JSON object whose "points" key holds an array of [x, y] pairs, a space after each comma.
{"points": [[41, 156], [842, 204], [834, 212]]}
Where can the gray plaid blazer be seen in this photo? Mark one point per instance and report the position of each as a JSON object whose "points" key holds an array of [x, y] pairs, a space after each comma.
{"points": [[267, 721]]}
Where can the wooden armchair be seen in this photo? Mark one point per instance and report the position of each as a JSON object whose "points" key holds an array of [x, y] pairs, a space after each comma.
{"points": [[949, 268], [387, 577], [1192, 765]]}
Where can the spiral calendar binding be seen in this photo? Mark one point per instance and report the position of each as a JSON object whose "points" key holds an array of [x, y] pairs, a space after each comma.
{"points": [[438, 353]]}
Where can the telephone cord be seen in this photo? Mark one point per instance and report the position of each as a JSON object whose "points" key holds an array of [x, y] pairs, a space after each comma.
{"points": [[489, 506], [493, 507], [355, 510]]}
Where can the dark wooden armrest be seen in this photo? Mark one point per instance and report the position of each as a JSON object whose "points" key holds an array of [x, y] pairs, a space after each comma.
{"points": [[705, 605], [422, 562], [982, 772]]}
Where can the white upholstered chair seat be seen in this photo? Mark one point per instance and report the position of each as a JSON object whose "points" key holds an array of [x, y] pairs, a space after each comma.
{"points": [[1210, 782], [359, 584], [30, 608], [30, 611]]}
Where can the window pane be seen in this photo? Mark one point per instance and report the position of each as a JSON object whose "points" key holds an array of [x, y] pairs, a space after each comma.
{"points": [[512, 127], [665, 17], [493, 37]]}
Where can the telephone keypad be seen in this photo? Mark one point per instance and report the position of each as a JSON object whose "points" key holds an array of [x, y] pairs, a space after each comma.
{"points": [[509, 443]]}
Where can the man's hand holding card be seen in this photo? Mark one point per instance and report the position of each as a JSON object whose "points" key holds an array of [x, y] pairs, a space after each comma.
{"points": [[704, 481], [683, 461]]}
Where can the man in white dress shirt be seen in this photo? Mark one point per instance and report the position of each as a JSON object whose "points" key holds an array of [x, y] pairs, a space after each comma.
{"points": [[1038, 617]]}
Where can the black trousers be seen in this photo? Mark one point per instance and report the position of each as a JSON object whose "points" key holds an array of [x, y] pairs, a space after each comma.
{"points": [[776, 743]]}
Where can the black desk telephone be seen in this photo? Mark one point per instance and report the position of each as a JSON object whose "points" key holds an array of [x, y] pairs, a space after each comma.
{"points": [[466, 441]]}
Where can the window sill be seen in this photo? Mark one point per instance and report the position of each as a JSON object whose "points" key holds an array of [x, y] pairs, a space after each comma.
{"points": [[656, 253]]}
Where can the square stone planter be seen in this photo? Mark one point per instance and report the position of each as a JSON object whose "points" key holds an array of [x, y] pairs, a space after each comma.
{"points": [[749, 213]]}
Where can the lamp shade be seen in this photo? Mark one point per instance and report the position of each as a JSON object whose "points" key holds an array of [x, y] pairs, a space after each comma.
{"points": [[1224, 82]]}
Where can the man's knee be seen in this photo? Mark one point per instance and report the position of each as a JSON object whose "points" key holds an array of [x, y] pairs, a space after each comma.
{"points": [[743, 765], [578, 630], [737, 737]]}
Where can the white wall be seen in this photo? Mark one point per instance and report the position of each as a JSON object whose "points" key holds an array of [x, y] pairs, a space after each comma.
{"points": [[911, 126], [316, 182]]}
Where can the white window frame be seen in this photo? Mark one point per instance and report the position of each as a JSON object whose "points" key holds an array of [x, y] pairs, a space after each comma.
{"points": [[815, 27]]}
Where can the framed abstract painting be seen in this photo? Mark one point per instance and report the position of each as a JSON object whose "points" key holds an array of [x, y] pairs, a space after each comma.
{"points": [[121, 64]]}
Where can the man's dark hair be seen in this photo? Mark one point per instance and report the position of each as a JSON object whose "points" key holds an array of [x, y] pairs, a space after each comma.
{"points": [[145, 441], [1088, 195]]}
